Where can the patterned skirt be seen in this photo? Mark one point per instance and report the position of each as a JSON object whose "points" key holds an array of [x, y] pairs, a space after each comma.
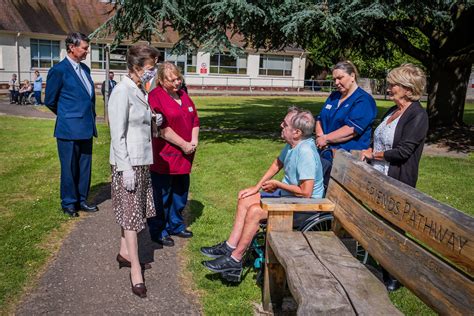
{"points": [[132, 208]]}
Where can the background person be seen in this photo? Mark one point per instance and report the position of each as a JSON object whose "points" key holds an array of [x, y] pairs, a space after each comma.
{"points": [[38, 87], [346, 118], [399, 139], [173, 155], [13, 87], [112, 84], [130, 156], [25, 91], [70, 95], [303, 177]]}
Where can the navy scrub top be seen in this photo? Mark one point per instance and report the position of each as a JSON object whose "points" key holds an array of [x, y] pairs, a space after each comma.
{"points": [[358, 111]]}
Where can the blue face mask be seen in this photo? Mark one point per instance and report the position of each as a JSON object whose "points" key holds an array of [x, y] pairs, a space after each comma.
{"points": [[148, 75]]}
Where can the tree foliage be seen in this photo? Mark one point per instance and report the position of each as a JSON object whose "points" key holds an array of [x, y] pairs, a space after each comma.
{"points": [[434, 32]]}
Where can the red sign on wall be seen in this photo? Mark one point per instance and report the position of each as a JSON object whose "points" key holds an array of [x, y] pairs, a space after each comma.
{"points": [[203, 69]]}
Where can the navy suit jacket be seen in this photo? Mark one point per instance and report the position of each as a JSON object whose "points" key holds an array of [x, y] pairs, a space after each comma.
{"points": [[67, 97]]}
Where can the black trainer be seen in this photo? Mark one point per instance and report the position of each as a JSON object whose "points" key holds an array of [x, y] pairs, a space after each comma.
{"points": [[217, 251], [223, 264]]}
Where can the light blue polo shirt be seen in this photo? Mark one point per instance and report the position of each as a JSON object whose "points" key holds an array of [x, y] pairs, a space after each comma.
{"points": [[302, 163], [38, 84]]}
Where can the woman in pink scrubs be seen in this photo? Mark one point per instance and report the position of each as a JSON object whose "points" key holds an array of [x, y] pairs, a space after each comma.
{"points": [[173, 153]]}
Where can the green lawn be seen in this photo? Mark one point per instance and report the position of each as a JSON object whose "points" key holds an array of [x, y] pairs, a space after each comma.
{"points": [[31, 221], [226, 163], [238, 164], [30, 217]]}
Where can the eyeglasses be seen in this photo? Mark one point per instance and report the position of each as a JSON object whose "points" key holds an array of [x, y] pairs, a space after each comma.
{"points": [[284, 124], [174, 80]]}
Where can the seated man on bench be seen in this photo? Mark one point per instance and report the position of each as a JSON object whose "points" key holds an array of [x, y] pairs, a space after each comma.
{"points": [[303, 178]]}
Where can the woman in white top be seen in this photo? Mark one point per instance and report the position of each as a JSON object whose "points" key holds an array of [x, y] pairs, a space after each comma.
{"points": [[130, 121], [399, 139]]}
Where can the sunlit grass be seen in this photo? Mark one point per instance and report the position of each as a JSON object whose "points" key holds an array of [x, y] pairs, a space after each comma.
{"points": [[30, 214], [29, 198]]}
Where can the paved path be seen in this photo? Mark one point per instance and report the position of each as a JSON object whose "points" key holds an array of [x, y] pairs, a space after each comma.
{"points": [[84, 279], [28, 111], [23, 110]]}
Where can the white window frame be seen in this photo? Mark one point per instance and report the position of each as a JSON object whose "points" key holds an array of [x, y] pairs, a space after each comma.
{"points": [[240, 67], [286, 70], [44, 62], [115, 58], [186, 62]]}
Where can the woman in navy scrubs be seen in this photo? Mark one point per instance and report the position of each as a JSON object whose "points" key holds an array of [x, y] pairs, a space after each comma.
{"points": [[346, 118]]}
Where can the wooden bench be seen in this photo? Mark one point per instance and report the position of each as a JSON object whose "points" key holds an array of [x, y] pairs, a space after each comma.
{"points": [[425, 244]]}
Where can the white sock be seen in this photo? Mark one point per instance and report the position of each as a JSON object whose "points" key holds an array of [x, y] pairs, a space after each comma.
{"points": [[229, 245], [234, 258]]}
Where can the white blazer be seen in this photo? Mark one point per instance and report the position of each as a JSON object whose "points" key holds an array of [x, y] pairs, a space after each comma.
{"points": [[130, 126]]}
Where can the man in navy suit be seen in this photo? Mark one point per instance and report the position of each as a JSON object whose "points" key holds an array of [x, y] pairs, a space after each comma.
{"points": [[70, 95]]}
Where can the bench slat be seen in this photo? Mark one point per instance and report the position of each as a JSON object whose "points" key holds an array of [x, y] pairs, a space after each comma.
{"points": [[446, 230], [446, 290], [367, 294], [312, 285], [296, 204]]}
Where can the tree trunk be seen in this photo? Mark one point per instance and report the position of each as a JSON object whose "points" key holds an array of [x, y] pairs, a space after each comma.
{"points": [[447, 87]]}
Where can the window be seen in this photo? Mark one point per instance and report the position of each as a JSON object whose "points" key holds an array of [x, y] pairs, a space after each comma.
{"points": [[225, 64], [118, 57], [44, 53], [98, 56], [275, 65], [187, 62], [162, 52]]}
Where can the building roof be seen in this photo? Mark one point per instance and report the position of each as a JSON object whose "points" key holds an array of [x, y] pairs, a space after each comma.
{"points": [[60, 17]]}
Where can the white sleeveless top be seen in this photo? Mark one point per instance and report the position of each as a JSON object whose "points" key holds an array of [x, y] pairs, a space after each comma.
{"points": [[383, 141]]}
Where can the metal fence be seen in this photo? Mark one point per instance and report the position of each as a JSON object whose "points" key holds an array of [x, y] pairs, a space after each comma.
{"points": [[232, 83]]}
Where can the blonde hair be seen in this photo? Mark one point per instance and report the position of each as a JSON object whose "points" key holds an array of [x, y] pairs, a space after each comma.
{"points": [[168, 66], [410, 77]]}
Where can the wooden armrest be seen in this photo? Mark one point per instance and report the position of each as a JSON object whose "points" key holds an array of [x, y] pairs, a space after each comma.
{"points": [[293, 204]]}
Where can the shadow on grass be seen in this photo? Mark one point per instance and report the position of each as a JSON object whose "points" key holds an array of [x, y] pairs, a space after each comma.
{"points": [[259, 118], [195, 209], [237, 136], [100, 193], [218, 277], [455, 138], [252, 114], [147, 247]]}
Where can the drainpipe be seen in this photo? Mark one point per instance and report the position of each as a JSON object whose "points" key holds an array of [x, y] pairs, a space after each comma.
{"points": [[299, 71], [18, 55], [106, 91]]}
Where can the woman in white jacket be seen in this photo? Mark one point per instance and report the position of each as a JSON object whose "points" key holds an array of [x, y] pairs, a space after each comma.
{"points": [[130, 121]]}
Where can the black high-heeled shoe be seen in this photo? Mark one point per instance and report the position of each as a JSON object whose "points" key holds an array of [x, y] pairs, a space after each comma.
{"points": [[124, 263], [138, 289]]}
